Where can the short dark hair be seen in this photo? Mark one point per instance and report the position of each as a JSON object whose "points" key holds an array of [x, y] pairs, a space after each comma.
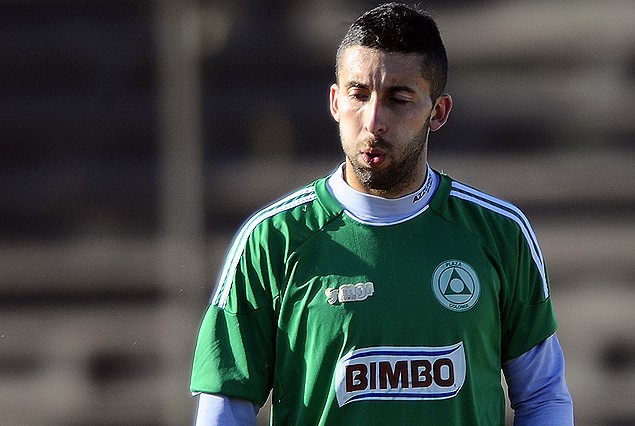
{"points": [[397, 27]]}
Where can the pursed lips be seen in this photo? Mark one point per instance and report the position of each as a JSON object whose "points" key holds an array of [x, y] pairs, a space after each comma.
{"points": [[373, 156]]}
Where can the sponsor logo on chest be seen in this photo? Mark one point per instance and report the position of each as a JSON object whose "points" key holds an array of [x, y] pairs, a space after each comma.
{"points": [[400, 373], [350, 292]]}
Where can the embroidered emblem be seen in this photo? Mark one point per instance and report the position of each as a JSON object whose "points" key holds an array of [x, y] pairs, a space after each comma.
{"points": [[350, 292], [456, 285]]}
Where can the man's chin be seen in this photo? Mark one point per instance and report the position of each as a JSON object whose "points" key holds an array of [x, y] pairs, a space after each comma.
{"points": [[374, 179]]}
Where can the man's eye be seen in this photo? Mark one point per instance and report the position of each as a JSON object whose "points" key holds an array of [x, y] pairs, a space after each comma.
{"points": [[399, 101], [358, 96]]}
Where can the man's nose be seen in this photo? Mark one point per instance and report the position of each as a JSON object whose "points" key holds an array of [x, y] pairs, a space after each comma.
{"points": [[374, 120]]}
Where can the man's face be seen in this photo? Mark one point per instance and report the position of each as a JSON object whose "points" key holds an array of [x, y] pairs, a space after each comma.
{"points": [[383, 107]]}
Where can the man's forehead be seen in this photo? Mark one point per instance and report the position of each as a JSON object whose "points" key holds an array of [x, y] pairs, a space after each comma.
{"points": [[362, 53], [367, 65]]}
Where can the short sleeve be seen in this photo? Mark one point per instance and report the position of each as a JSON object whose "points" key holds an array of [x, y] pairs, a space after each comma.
{"points": [[234, 353], [527, 313]]}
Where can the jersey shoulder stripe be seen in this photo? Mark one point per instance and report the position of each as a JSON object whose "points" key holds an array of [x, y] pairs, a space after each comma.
{"points": [[510, 211], [302, 196]]}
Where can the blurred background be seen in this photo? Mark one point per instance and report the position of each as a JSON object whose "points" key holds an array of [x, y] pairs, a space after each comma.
{"points": [[136, 136]]}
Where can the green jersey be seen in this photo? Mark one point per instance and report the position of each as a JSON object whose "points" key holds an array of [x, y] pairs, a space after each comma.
{"points": [[350, 322]]}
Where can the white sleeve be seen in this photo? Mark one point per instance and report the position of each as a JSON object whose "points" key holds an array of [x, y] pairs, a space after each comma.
{"points": [[215, 410], [537, 389]]}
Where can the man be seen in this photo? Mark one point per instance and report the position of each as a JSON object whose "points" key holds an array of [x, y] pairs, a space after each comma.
{"points": [[386, 293]]}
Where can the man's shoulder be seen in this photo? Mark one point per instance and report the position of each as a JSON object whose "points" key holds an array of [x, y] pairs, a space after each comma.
{"points": [[472, 206], [305, 210], [499, 224]]}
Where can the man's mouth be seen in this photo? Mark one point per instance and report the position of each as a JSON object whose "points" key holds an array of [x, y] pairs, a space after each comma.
{"points": [[373, 157]]}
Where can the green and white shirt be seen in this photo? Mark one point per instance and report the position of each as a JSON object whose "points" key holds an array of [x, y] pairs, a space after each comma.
{"points": [[353, 318]]}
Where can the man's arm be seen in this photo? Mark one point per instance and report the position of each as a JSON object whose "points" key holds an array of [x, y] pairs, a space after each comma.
{"points": [[537, 388], [216, 410]]}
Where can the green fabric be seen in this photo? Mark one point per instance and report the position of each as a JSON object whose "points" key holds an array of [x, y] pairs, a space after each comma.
{"points": [[270, 323]]}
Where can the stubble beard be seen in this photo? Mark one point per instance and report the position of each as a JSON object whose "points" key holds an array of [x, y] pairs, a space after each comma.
{"points": [[400, 174]]}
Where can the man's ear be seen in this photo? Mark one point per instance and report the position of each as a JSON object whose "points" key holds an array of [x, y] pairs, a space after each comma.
{"points": [[440, 112], [333, 95]]}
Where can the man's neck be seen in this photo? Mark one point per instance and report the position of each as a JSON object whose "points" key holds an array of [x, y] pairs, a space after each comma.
{"points": [[376, 210]]}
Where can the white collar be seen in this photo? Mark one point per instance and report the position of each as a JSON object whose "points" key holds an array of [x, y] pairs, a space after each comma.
{"points": [[374, 210]]}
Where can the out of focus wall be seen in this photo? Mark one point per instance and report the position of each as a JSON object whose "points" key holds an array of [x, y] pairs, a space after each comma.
{"points": [[135, 137]]}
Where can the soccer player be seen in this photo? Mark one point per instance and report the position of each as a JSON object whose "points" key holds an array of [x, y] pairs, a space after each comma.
{"points": [[387, 292]]}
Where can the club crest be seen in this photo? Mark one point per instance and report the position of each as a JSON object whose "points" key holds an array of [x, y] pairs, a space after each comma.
{"points": [[456, 285]]}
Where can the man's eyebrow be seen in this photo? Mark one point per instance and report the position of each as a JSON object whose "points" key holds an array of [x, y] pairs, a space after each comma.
{"points": [[392, 89], [356, 85]]}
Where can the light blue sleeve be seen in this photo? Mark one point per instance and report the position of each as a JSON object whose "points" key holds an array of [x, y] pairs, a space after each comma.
{"points": [[537, 389], [216, 410]]}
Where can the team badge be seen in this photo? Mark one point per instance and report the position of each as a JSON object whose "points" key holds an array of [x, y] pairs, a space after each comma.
{"points": [[456, 285]]}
